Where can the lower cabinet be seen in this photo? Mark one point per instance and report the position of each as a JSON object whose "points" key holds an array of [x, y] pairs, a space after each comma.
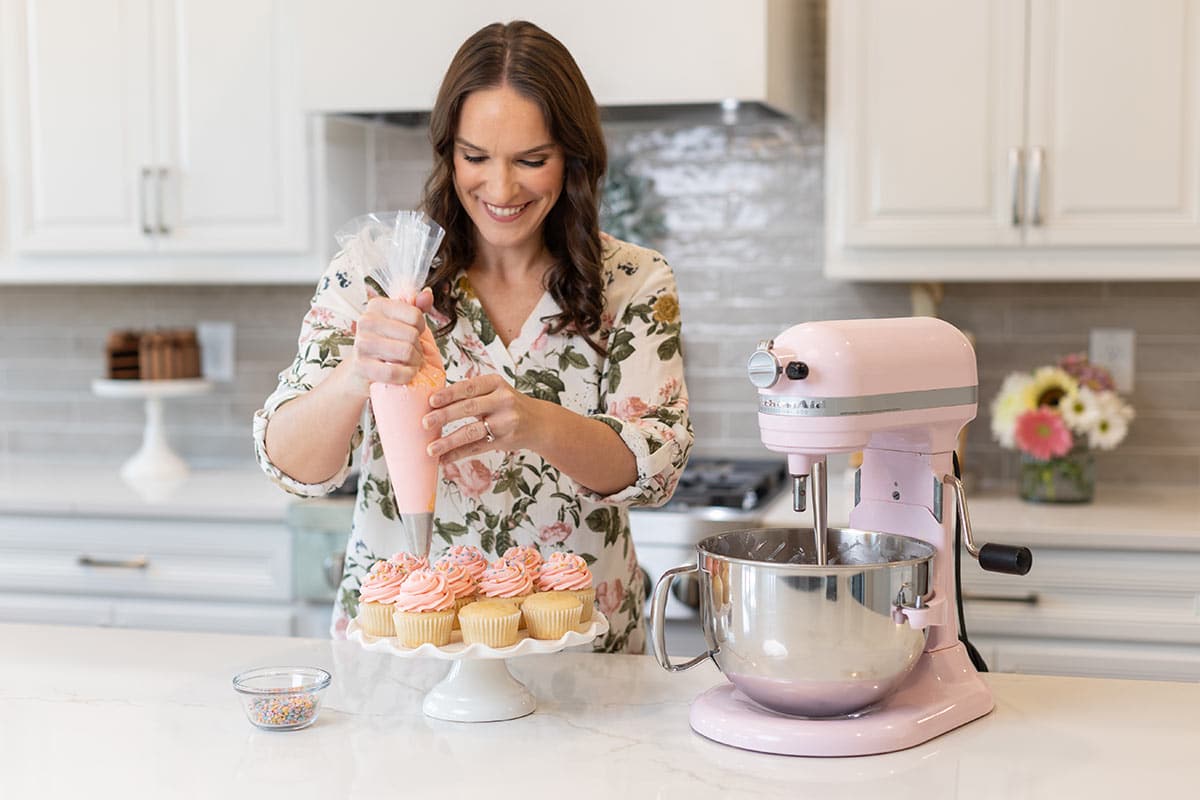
{"points": [[165, 574], [1088, 612]]}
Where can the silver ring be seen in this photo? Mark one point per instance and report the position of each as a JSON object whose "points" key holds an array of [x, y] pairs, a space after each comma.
{"points": [[490, 437]]}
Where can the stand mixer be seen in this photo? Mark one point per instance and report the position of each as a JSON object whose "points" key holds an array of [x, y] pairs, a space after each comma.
{"points": [[787, 630]]}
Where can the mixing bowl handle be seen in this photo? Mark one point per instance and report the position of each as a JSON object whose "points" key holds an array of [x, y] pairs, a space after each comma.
{"points": [[658, 615]]}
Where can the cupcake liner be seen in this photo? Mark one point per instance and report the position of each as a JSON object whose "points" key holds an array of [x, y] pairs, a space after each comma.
{"points": [[551, 623], [588, 598], [459, 604], [493, 631], [415, 628], [376, 619], [516, 601]]}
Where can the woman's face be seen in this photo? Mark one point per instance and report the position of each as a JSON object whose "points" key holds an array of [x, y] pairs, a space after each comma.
{"points": [[508, 172]]}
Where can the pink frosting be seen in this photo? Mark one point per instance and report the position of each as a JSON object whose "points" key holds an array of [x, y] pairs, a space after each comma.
{"points": [[529, 556], [410, 562], [457, 577], [470, 557], [382, 583], [506, 579], [425, 590], [564, 572]]}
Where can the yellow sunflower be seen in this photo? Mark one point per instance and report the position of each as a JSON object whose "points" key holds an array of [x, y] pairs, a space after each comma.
{"points": [[1050, 387], [666, 308]]}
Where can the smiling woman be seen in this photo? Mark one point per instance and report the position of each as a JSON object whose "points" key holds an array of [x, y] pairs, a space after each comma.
{"points": [[565, 402]]}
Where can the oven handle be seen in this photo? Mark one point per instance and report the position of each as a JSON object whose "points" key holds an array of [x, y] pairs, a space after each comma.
{"points": [[658, 616]]}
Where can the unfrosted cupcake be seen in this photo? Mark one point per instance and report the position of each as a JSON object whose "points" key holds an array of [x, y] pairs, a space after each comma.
{"points": [[490, 622], [506, 580], [424, 609], [461, 584], [470, 557], [567, 572], [529, 556], [376, 597], [549, 615]]}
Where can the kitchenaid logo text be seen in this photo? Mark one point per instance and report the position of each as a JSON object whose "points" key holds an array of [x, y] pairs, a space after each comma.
{"points": [[790, 404]]}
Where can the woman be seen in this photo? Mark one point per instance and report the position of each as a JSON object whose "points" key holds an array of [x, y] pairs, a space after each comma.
{"points": [[565, 401]]}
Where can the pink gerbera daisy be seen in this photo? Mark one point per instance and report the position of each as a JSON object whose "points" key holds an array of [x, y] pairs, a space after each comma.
{"points": [[1042, 434]]}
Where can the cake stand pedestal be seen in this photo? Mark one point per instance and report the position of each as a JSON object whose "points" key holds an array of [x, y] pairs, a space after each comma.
{"points": [[155, 461], [479, 687]]}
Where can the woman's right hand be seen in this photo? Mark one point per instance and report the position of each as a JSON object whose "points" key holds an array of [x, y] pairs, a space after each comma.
{"points": [[386, 347]]}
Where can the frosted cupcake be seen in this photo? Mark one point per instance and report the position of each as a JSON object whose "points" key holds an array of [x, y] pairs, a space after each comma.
{"points": [[410, 562], [469, 556], [424, 609], [506, 580], [567, 572], [528, 556], [490, 622], [376, 597], [461, 584], [549, 615]]}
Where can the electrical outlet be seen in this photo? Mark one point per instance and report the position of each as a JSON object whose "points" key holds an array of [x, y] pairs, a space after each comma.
{"points": [[1112, 348], [216, 350]]}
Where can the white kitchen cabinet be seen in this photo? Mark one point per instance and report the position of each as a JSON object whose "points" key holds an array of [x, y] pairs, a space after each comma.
{"points": [[991, 139], [159, 573], [154, 126], [1120, 613], [379, 55]]}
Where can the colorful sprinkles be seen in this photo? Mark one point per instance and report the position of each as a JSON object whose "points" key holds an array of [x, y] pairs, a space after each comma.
{"points": [[283, 711]]}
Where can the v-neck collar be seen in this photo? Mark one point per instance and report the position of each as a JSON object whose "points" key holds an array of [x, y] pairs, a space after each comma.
{"points": [[506, 358]]}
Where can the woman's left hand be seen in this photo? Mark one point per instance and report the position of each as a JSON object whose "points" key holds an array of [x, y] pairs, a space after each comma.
{"points": [[505, 419]]}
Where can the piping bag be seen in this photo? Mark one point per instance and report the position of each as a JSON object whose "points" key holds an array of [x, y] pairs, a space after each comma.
{"points": [[397, 252]]}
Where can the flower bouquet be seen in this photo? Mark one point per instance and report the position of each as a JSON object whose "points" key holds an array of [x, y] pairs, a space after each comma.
{"points": [[1056, 416]]}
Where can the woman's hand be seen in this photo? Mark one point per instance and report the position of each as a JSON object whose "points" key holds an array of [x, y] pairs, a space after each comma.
{"points": [[505, 419], [386, 341]]}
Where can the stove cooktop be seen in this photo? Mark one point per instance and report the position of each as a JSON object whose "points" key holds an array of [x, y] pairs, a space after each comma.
{"points": [[744, 484]]}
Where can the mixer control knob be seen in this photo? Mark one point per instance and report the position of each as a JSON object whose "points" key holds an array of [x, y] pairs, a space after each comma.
{"points": [[797, 370], [763, 366]]}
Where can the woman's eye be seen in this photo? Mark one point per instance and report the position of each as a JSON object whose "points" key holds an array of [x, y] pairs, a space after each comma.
{"points": [[474, 159], [531, 163]]}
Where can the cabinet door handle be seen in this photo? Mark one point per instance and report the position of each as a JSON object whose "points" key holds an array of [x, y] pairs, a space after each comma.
{"points": [[162, 187], [140, 562], [143, 203], [1030, 599], [1014, 183], [1037, 163]]}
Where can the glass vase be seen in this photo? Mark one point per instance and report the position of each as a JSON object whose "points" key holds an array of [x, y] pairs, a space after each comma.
{"points": [[1068, 479]]}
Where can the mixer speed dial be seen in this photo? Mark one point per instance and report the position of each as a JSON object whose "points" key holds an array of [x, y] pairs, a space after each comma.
{"points": [[763, 366]]}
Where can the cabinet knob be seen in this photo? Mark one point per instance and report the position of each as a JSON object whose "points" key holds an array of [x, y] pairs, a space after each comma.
{"points": [[140, 562]]}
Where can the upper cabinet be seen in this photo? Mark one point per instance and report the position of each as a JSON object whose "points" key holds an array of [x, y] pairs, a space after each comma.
{"points": [[382, 55], [154, 126], [993, 139]]}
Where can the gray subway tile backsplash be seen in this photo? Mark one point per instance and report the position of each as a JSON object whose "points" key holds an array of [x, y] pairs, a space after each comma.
{"points": [[743, 206]]}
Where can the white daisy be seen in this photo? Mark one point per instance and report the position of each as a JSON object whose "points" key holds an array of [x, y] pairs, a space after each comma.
{"points": [[1013, 398], [1080, 410], [1110, 426]]}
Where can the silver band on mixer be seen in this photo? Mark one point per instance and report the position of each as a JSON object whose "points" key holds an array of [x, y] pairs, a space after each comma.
{"points": [[789, 406], [489, 437]]}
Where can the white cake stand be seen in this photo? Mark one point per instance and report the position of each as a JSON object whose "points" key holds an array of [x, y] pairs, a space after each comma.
{"points": [[479, 687], [155, 461]]}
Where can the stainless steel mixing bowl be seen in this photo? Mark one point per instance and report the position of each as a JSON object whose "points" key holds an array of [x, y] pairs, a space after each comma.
{"points": [[802, 638]]}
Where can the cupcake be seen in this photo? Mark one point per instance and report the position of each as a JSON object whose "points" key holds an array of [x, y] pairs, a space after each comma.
{"points": [[506, 580], [469, 556], [424, 609], [461, 584], [490, 622], [549, 615], [409, 561], [376, 595], [567, 572], [529, 556]]}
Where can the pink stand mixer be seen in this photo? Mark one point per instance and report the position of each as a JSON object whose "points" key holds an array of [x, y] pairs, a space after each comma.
{"points": [[844, 642]]}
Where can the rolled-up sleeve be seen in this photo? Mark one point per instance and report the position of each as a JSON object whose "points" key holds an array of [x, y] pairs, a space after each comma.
{"points": [[645, 397], [327, 328]]}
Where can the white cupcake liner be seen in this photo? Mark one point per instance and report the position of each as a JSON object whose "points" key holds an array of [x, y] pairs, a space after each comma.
{"points": [[415, 628], [376, 618], [491, 631], [552, 623]]}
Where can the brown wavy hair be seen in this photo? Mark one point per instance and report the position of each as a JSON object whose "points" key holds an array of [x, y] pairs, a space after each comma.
{"points": [[538, 67]]}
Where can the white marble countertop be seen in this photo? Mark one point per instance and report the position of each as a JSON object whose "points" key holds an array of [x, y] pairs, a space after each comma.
{"points": [[96, 711]]}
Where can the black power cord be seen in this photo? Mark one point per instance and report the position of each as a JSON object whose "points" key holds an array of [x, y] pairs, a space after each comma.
{"points": [[976, 659]]}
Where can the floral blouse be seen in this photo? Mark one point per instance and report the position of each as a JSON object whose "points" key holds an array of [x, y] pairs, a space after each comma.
{"points": [[499, 499]]}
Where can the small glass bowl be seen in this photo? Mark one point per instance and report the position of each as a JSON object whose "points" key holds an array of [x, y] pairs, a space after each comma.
{"points": [[281, 698]]}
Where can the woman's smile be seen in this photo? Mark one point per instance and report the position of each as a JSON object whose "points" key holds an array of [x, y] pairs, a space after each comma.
{"points": [[505, 213]]}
